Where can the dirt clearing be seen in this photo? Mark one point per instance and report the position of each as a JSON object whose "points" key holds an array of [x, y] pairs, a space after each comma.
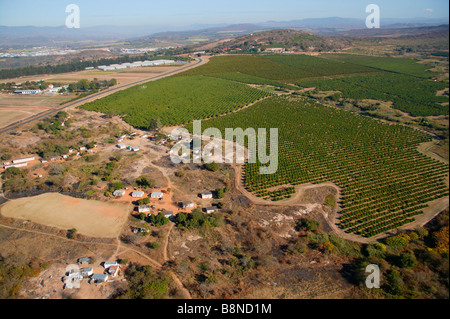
{"points": [[91, 218]]}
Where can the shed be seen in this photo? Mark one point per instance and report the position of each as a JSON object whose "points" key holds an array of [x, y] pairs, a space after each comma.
{"points": [[134, 149], [206, 195], [157, 195], [137, 194], [84, 260], [210, 210], [119, 193], [144, 209], [86, 272], [168, 214], [187, 204], [108, 264], [121, 146], [99, 278], [113, 270]]}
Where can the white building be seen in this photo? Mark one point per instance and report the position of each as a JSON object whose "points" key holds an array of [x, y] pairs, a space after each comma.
{"points": [[210, 210], [206, 195], [37, 91], [121, 146], [137, 194], [23, 160], [15, 165], [157, 195], [108, 264], [144, 209], [187, 204], [118, 193]]}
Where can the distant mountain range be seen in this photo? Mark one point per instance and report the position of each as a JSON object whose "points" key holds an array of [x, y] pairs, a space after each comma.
{"points": [[53, 36]]}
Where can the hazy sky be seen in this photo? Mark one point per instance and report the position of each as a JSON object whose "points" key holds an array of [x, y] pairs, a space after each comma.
{"points": [[186, 12]]}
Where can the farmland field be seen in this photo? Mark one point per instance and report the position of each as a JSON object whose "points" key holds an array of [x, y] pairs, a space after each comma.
{"points": [[385, 181], [397, 65], [177, 100], [409, 94]]}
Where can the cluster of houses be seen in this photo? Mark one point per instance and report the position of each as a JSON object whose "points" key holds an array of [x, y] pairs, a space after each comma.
{"points": [[80, 151], [78, 274], [122, 146], [50, 90]]}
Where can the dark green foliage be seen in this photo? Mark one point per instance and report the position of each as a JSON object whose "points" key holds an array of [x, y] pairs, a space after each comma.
{"points": [[117, 185], [158, 220], [144, 283], [197, 219], [145, 182], [307, 224], [213, 167], [409, 94], [144, 201], [407, 260]]}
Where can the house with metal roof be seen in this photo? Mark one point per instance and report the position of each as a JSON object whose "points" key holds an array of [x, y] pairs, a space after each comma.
{"points": [[99, 278], [119, 193], [108, 264], [84, 260], [187, 204], [144, 209], [206, 195], [210, 210], [114, 270], [137, 194], [157, 195]]}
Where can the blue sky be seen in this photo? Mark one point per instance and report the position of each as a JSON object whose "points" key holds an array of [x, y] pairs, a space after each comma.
{"points": [[187, 12]]}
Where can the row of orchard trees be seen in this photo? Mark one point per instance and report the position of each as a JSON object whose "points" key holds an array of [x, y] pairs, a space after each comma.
{"points": [[385, 181]]}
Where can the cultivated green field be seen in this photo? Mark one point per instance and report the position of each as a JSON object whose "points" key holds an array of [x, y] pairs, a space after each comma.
{"points": [[396, 65], [385, 181], [177, 100]]}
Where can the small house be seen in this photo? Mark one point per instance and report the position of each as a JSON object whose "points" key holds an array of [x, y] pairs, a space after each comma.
{"points": [[84, 260], [137, 194], [206, 195], [108, 264], [144, 209], [118, 193], [86, 272], [187, 204], [113, 270], [121, 146], [134, 149], [82, 149], [99, 278], [168, 214], [156, 195], [210, 210]]}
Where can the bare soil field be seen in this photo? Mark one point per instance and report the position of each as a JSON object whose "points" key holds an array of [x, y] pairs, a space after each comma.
{"points": [[91, 218], [122, 76], [14, 107]]}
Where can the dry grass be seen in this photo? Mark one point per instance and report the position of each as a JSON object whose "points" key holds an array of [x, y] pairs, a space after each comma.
{"points": [[91, 218]]}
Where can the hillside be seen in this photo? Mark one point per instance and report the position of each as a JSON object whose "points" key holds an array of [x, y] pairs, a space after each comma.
{"points": [[291, 40]]}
